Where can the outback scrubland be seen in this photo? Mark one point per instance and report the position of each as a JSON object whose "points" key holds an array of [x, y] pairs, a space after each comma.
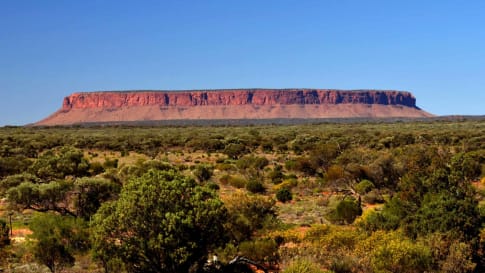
{"points": [[356, 197]]}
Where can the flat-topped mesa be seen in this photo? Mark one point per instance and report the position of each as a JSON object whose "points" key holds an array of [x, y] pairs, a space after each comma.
{"points": [[232, 104], [227, 97]]}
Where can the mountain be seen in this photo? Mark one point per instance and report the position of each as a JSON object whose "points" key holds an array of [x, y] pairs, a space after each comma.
{"points": [[152, 105]]}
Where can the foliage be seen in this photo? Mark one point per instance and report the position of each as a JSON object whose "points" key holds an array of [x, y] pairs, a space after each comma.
{"points": [[91, 193], [247, 214], [153, 234], [56, 240], [393, 252], [288, 183], [4, 234], [345, 211], [459, 259], [60, 163], [203, 172], [364, 186], [389, 218], [254, 185], [422, 172], [253, 162], [15, 180], [41, 197], [335, 173], [235, 150], [233, 180], [445, 212], [13, 165], [303, 266], [276, 174], [52, 253], [284, 195], [302, 164], [450, 255], [263, 251]]}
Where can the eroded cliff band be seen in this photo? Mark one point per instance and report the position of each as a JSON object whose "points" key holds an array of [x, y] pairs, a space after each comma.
{"points": [[237, 97], [232, 104]]}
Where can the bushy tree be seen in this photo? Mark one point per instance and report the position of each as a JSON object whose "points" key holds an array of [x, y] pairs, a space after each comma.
{"points": [[51, 196], [13, 165], [15, 180], [57, 239], [235, 150], [447, 213], [57, 164], [247, 214], [91, 193], [162, 222], [389, 218]]}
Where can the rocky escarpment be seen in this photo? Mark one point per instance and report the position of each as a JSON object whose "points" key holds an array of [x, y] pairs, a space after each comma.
{"points": [[116, 106], [235, 97]]}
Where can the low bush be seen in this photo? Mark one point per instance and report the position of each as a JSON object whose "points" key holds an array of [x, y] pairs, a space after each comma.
{"points": [[255, 186], [303, 266], [364, 186], [284, 195], [345, 212]]}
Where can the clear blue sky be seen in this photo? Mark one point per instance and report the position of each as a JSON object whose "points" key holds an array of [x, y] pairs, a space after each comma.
{"points": [[49, 49]]}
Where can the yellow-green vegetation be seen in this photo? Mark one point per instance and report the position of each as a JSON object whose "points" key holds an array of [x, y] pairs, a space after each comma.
{"points": [[370, 197]]}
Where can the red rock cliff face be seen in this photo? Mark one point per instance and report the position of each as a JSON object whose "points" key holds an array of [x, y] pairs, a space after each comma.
{"points": [[86, 100], [114, 106]]}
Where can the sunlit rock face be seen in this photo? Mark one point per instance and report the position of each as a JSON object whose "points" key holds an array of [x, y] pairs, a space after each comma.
{"points": [[116, 106]]}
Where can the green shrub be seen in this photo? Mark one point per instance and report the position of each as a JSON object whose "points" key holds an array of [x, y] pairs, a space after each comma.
{"points": [[316, 232], [303, 266], [341, 265], [4, 234], [373, 197], [276, 175], [235, 181], [393, 252], [232, 180], [255, 186], [284, 195], [203, 172], [364, 186], [235, 150], [345, 212], [267, 147], [287, 183], [389, 218], [261, 251], [221, 166], [15, 180], [96, 168], [291, 165], [248, 213], [213, 186], [250, 161]]}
